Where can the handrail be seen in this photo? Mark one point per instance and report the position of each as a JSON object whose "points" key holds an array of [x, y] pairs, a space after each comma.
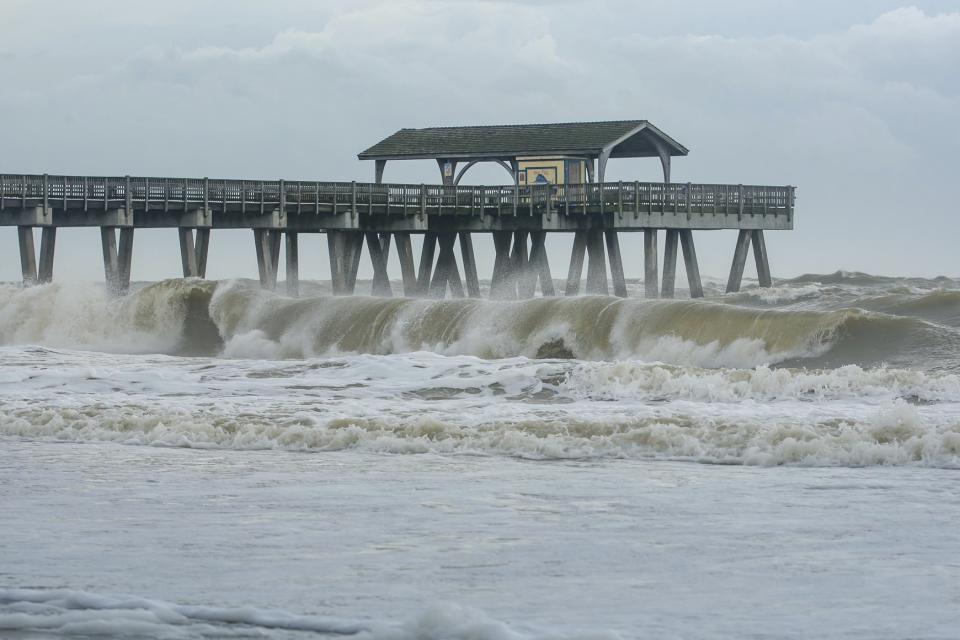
{"points": [[306, 196]]}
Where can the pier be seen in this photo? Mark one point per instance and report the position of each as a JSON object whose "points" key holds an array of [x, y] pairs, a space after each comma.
{"points": [[377, 216]]}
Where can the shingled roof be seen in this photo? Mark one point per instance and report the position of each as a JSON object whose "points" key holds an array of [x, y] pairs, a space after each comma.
{"points": [[628, 139]]}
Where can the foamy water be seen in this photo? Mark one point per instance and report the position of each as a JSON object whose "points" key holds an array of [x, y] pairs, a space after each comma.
{"points": [[207, 459]]}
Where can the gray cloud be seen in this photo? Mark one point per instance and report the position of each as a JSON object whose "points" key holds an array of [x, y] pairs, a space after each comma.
{"points": [[855, 105]]}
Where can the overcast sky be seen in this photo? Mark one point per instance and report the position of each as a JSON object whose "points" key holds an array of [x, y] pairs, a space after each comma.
{"points": [[856, 103]]}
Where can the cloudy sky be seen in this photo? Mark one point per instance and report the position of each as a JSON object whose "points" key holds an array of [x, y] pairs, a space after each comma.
{"points": [[856, 103]]}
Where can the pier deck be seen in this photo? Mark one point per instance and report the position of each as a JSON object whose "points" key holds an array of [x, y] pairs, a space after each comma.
{"points": [[351, 212]]}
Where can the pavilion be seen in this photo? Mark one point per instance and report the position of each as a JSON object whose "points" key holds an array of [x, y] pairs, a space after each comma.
{"points": [[557, 153]]}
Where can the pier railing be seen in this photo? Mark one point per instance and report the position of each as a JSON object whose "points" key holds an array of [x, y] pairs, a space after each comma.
{"points": [[297, 196]]}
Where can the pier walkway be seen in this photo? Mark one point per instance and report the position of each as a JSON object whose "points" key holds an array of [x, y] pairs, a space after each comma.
{"points": [[351, 213]]}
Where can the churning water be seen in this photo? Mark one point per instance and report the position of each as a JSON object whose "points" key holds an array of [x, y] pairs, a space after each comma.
{"points": [[206, 459]]}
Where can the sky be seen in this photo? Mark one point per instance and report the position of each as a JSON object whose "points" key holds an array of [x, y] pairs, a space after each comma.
{"points": [[856, 103]]}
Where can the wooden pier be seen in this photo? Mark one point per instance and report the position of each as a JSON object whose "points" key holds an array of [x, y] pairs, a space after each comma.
{"points": [[377, 215], [352, 213]]}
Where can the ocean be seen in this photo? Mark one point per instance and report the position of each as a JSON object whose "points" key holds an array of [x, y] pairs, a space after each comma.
{"points": [[210, 460]]}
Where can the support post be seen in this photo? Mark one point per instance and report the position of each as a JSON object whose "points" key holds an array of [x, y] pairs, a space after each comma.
{"points": [[670, 263], [650, 261], [354, 252], [426, 263], [502, 266], [446, 272], [739, 261], [125, 258], [597, 264], [28, 256], [469, 265], [335, 249], [293, 264], [690, 260], [202, 248], [108, 241], [520, 274], [616, 264], [760, 255], [407, 270], [575, 271], [540, 262], [265, 262], [188, 254], [48, 240], [381, 281]]}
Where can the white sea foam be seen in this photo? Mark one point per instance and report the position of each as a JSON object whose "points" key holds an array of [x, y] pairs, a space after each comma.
{"points": [[78, 613]]}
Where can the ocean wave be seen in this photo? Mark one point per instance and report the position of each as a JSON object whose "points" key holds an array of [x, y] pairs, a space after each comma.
{"points": [[892, 433], [67, 612], [239, 320]]}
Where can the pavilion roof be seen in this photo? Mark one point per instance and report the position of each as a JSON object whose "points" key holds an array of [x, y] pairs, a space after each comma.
{"points": [[625, 138]]}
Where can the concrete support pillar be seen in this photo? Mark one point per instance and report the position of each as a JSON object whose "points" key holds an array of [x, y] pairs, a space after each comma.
{"points": [[407, 270], [597, 264], [292, 252], [540, 262], [354, 253], [202, 248], [502, 267], [519, 257], [427, 252], [575, 272], [744, 239], [760, 255], [447, 272], [117, 258], [651, 279], [378, 258], [616, 264], [188, 253], [266, 265], [670, 263], [690, 260], [469, 265], [48, 240], [336, 248], [28, 255], [739, 261]]}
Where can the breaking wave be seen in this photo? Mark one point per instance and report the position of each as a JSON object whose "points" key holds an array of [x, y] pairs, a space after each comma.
{"points": [[83, 614], [237, 319]]}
